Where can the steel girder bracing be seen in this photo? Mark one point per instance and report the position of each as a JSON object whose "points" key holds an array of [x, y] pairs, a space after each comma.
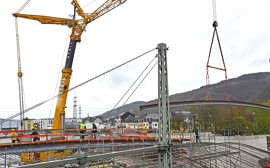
{"points": [[165, 153]]}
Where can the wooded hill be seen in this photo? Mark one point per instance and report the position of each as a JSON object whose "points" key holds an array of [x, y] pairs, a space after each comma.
{"points": [[253, 87]]}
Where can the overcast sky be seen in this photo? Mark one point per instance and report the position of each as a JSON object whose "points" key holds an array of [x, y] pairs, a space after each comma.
{"points": [[131, 29]]}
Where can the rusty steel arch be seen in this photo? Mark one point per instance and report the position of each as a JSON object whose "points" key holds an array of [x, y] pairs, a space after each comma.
{"points": [[207, 102]]}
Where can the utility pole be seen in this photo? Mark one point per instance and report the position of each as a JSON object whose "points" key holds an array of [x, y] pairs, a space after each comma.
{"points": [[80, 112], [75, 107], [165, 151]]}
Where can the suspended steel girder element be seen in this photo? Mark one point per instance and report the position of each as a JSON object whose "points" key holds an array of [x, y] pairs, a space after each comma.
{"points": [[164, 156], [207, 102]]}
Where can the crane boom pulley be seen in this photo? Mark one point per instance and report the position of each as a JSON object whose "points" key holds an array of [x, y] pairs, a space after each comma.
{"points": [[78, 26]]}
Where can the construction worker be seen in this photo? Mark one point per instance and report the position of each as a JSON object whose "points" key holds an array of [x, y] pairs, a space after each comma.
{"points": [[197, 135], [13, 135], [82, 130], [35, 132], [94, 130]]}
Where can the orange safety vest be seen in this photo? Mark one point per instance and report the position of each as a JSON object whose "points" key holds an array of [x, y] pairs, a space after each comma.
{"points": [[12, 136]]}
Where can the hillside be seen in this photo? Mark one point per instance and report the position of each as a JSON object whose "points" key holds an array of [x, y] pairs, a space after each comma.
{"points": [[253, 87], [132, 107], [247, 87]]}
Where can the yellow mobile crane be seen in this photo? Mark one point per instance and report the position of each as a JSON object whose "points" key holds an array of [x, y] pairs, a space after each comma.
{"points": [[78, 26]]}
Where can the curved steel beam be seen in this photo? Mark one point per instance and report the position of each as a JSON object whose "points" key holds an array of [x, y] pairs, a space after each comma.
{"points": [[207, 102]]}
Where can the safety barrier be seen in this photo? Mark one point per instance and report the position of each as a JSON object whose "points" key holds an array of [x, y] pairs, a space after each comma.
{"points": [[25, 137]]}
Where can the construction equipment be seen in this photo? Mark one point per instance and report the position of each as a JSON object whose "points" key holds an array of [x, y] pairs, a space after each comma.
{"points": [[78, 26]]}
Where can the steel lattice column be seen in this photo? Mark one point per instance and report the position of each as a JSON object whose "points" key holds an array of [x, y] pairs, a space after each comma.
{"points": [[165, 158]]}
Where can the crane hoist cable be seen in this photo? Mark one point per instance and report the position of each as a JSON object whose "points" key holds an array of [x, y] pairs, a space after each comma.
{"points": [[214, 7], [20, 74], [23, 6], [79, 85], [215, 33]]}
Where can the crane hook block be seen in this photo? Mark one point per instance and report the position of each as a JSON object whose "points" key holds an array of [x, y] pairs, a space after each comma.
{"points": [[215, 24], [20, 74]]}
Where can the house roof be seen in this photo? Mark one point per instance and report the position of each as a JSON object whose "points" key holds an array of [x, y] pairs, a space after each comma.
{"points": [[126, 115], [90, 119]]}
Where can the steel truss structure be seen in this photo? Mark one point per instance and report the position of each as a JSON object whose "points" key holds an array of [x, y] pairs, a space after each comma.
{"points": [[164, 136], [208, 154]]}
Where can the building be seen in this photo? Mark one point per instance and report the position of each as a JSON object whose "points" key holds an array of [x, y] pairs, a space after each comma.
{"points": [[28, 124], [152, 116], [73, 123], [127, 120], [111, 123], [132, 125], [153, 125], [127, 117], [88, 121], [99, 123], [10, 124], [143, 125], [44, 123]]}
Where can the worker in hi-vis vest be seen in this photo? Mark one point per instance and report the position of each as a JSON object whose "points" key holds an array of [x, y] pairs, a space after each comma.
{"points": [[13, 135], [82, 130]]}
